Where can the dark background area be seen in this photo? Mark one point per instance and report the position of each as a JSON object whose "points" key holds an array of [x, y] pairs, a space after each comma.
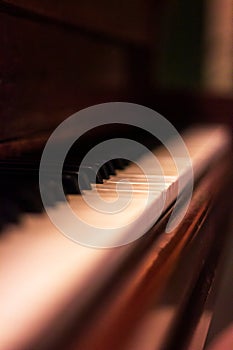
{"points": [[58, 57]]}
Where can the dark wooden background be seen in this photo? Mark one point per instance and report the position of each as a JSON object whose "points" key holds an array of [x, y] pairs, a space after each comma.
{"points": [[58, 57]]}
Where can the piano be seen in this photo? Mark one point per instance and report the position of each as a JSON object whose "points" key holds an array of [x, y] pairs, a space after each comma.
{"points": [[159, 290]]}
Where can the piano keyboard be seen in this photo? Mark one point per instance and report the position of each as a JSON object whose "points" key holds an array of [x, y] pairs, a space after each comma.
{"points": [[42, 270]]}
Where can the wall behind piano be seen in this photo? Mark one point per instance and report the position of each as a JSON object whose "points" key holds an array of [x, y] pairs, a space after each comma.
{"points": [[51, 69], [61, 56]]}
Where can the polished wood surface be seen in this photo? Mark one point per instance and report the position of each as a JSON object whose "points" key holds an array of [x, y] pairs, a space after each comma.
{"points": [[60, 57], [51, 72], [127, 21]]}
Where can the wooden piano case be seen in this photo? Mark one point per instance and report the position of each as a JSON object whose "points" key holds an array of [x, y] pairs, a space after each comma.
{"points": [[59, 57]]}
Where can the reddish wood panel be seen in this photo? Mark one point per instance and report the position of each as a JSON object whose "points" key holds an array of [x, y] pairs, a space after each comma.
{"points": [[49, 72], [127, 20]]}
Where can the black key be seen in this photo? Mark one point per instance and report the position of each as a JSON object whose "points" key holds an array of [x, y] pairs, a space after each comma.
{"points": [[74, 182], [103, 171], [111, 169], [70, 183], [92, 174], [118, 163]]}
